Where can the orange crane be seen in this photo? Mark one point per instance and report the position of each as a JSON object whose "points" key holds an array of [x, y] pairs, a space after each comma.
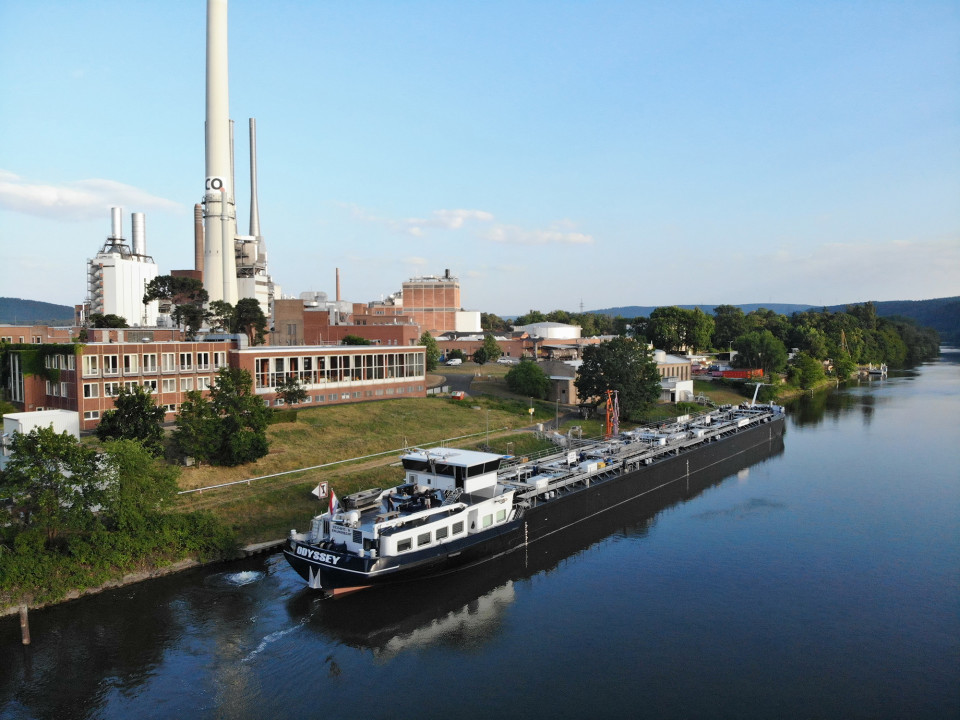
{"points": [[612, 427]]}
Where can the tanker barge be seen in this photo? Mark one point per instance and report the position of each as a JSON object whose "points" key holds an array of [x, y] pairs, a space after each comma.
{"points": [[459, 508]]}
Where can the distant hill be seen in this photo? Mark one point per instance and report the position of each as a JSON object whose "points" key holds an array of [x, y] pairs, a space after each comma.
{"points": [[941, 314], [633, 311], [14, 311]]}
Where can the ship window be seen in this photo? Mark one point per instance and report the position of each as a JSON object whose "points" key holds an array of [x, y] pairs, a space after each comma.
{"points": [[487, 521], [423, 539], [501, 515], [403, 545], [442, 533], [458, 527]]}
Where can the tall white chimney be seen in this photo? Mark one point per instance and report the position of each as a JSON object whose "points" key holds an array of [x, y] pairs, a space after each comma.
{"points": [[116, 223], [139, 232], [220, 215], [254, 209]]}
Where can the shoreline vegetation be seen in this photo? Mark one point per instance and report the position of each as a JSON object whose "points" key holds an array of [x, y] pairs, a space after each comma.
{"points": [[257, 509]]}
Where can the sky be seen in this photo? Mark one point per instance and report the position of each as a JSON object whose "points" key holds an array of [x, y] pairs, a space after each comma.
{"points": [[551, 155]]}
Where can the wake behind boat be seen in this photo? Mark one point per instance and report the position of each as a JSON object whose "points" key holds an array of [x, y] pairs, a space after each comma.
{"points": [[458, 508]]}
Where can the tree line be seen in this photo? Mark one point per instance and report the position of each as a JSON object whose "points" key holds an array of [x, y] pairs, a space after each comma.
{"points": [[857, 335]]}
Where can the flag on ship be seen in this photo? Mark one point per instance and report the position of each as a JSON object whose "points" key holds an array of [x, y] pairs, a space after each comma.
{"points": [[334, 503]]}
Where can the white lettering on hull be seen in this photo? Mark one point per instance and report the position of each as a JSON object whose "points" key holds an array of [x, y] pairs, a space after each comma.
{"points": [[326, 558]]}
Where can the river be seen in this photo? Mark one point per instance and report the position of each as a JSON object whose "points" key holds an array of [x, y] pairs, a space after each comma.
{"points": [[817, 579]]}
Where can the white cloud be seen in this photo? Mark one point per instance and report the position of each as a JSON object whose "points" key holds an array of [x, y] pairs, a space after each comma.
{"points": [[78, 200], [561, 232], [515, 235]]}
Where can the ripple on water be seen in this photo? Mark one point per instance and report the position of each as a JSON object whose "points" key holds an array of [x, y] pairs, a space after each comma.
{"points": [[234, 579]]}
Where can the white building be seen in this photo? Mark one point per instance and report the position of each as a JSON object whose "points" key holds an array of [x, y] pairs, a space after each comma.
{"points": [[24, 422], [550, 330], [118, 276]]}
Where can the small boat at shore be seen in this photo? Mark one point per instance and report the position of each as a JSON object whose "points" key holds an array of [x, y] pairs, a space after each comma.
{"points": [[459, 508]]}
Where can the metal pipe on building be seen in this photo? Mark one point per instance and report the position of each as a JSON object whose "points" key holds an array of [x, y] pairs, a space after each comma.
{"points": [[219, 265], [198, 238], [254, 209], [138, 226], [338, 284], [116, 223]]}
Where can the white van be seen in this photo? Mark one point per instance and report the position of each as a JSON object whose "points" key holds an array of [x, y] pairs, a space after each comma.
{"points": [[455, 361]]}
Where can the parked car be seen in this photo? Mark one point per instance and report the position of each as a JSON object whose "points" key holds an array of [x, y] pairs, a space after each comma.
{"points": [[504, 360], [455, 361]]}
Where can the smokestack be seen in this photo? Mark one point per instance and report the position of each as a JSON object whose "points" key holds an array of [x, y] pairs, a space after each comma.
{"points": [[254, 209], [220, 219], [139, 233], [338, 284], [116, 223], [198, 238]]}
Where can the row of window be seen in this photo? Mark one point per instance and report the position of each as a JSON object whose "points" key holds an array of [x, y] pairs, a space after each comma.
{"points": [[269, 372], [356, 395], [35, 339], [441, 534], [136, 363], [165, 385]]}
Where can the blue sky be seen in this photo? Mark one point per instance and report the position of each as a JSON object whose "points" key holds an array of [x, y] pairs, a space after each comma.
{"points": [[547, 153]]}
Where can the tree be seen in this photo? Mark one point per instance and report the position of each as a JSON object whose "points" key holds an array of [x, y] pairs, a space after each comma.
{"points": [[99, 320], [491, 347], [666, 328], [354, 340], [187, 297], [135, 417], [480, 356], [760, 350], [698, 329], [242, 418], [54, 481], [433, 350], [843, 365], [250, 320], [291, 391], [197, 435], [528, 379], [624, 365], [729, 323], [456, 354], [805, 370], [494, 323], [229, 428], [140, 486]]}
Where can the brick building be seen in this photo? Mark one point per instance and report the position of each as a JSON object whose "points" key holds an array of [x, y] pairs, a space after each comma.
{"points": [[85, 378]]}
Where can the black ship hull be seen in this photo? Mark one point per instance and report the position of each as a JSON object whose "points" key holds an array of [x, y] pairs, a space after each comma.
{"points": [[338, 573]]}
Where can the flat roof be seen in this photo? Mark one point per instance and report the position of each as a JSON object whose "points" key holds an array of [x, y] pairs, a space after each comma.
{"points": [[453, 456]]}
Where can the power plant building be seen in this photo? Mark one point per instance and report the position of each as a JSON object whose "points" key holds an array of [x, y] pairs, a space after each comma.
{"points": [[119, 274]]}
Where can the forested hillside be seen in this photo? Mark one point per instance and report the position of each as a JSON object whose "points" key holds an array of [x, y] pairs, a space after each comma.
{"points": [[15, 311]]}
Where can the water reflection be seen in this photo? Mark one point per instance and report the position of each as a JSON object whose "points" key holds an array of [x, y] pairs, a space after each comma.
{"points": [[465, 609]]}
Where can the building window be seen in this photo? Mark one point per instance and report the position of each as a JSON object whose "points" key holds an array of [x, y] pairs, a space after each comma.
{"points": [[169, 385], [64, 389], [203, 383], [91, 365], [91, 390], [219, 360], [111, 364], [111, 389], [170, 407], [186, 384], [129, 385], [168, 362], [91, 414], [150, 362], [203, 361], [131, 364], [186, 362]]}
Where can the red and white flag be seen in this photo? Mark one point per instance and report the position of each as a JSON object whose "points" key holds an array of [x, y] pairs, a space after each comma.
{"points": [[334, 503]]}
